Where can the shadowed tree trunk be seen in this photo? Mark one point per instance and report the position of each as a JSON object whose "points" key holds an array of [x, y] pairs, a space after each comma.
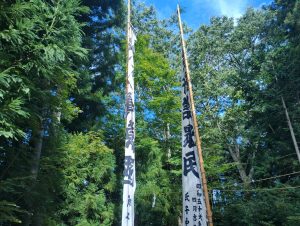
{"points": [[32, 218], [38, 144], [235, 154]]}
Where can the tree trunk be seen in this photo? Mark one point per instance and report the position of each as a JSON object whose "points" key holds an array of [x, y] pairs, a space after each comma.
{"points": [[235, 154], [37, 152], [180, 220], [33, 218], [291, 128], [168, 135]]}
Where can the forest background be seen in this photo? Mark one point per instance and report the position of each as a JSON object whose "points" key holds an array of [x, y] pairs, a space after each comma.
{"points": [[62, 75]]}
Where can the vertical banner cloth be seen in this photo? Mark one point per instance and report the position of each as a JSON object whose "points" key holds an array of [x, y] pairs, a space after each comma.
{"points": [[129, 161], [194, 209]]}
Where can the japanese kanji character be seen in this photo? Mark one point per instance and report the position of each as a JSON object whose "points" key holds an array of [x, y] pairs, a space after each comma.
{"points": [[200, 217], [199, 194], [186, 197], [187, 221], [189, 134], [187, 209], [129, 103], [199, 208], [129, 201], [195, 217], [186, 112], [189, 164], [184, 85], [128, 170], [199, 201], [130, 134]]}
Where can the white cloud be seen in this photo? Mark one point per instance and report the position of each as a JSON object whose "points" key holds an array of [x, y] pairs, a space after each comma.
{"points": [[232, 8]]}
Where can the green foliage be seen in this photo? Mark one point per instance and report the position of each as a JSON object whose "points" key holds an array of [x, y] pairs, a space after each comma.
{"points": [[89, 180], [263, 208], [8, 212], [156, 112], [98, 74], [62, 76], [11, 104], [39, 43], [238, 73]]}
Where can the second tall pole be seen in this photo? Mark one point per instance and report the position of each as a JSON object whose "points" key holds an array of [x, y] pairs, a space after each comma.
{"points": [[198, 141]]}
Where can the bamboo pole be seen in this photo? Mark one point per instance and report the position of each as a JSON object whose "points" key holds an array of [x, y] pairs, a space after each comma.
{"points": [[291, 128], [128, 42], [198, 141]]}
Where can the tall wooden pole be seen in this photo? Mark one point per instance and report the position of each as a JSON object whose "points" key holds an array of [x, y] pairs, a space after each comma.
{"points": [[291, 128], [198, 141], [129, 182], [128, 40]]}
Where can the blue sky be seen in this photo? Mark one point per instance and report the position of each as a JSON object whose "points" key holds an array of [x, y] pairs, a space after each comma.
{"points": [[198, 12]]}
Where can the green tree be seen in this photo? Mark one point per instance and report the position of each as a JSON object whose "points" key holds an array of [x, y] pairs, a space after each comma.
{"points": [[238, 95], [89, 180], [157, 108], [37, 76]]}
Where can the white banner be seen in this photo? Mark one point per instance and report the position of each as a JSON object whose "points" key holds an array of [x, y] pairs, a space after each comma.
{"points": [[129, 183], [194, 210]]}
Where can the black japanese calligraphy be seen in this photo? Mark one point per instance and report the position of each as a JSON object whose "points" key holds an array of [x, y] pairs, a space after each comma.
{"points": [[199, 208], [129, 103], [195, 217], [199, 194], [189, 134], [189, 164], [187, 221], [192, 187], [128, 170], [186, 197], [187, 210], [186, 113], [199, 201], [200, 217], [129, 201], [185, 104], [130, 134], [184, 85]]}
